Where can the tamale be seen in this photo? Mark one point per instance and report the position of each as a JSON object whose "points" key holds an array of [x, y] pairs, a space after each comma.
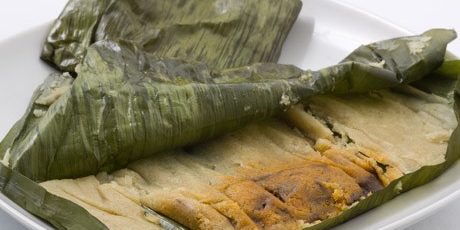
{"points": [[221, 33], [127, 104], [269, 176]]}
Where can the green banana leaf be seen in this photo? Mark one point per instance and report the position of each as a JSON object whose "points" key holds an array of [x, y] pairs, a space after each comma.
{"points": [[127, 104], [59, 212], [33, 197], [222, 33], [449, 69]]}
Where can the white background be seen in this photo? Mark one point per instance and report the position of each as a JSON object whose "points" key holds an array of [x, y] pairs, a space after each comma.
{"points": [[415, 15]]}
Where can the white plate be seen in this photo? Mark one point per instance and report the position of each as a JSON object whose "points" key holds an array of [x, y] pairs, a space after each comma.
{"points": [[325, 32]]}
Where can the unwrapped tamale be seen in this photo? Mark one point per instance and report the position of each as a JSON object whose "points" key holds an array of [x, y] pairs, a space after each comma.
{"points": [[268, 175]]}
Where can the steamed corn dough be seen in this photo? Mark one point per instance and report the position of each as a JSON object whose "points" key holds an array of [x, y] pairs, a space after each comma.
{"points": [[411, 133], [272, 175]]}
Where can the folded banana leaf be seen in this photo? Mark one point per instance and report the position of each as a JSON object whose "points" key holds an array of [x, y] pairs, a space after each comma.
{"points": [[127, 104], [33, 197], [221, 33], [59, 212]]}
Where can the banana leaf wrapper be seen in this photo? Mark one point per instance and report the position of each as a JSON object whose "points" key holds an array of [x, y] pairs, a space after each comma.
{"points": [[127, 104], [397, 77], [221, 33], [59, 212]]}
